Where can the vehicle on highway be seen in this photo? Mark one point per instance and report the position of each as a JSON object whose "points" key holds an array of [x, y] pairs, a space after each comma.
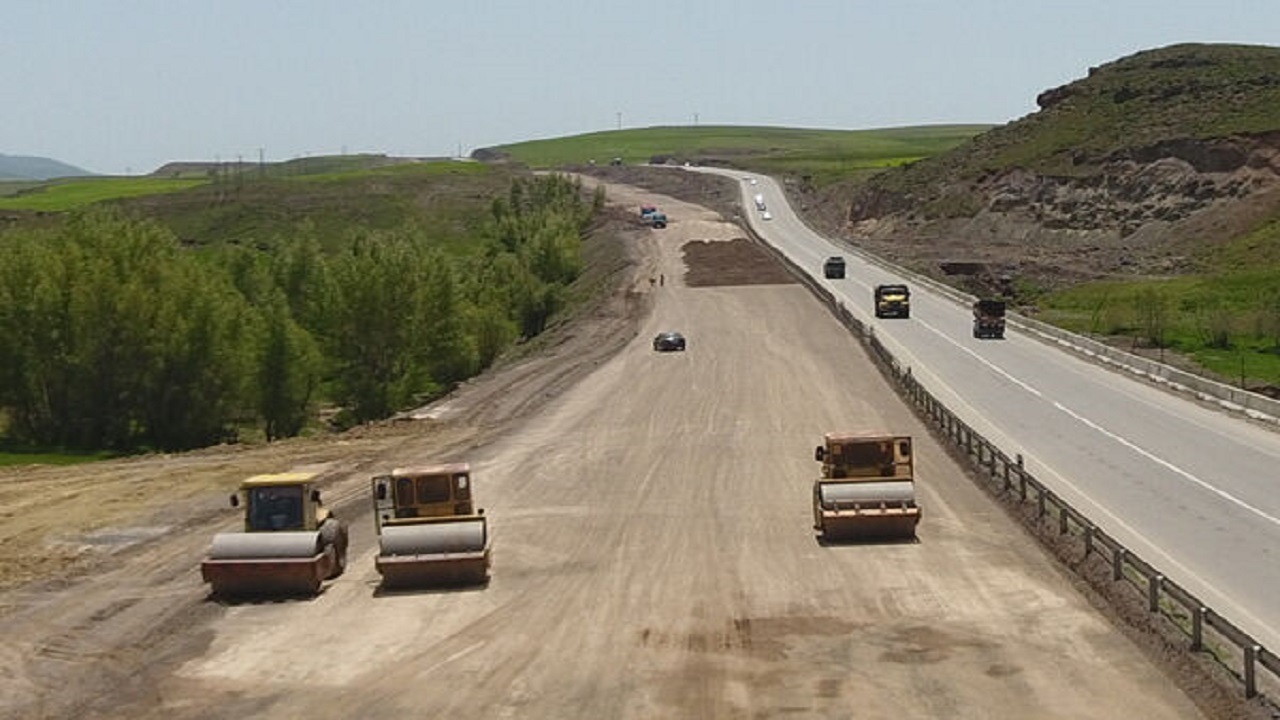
{"points": [[892, 301], [669, 341], [766, 215], [988, 318], [833, 268]]}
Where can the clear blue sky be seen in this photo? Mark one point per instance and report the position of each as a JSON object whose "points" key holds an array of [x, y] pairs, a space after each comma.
{"points": [[118, 86]]}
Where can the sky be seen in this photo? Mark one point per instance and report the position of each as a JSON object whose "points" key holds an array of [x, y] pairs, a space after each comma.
{"points": [[124, 86]]}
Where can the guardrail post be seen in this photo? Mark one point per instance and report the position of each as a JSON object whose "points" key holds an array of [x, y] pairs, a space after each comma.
{"points": [[1250, 673], [1197, 628], [1062, 519], [1040, 493], [1153, 592], [1088, 539], [1117, 563]]}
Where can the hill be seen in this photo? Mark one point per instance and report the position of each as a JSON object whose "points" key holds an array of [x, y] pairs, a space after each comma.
{"points": [[22, 167], [1150, 166]]}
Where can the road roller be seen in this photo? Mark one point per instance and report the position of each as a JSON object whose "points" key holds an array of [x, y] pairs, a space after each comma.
{"points": [[290, 543], [867, 488], [429, 531]]}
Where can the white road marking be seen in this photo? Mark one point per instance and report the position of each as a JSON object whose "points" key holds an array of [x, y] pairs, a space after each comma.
{"points": [[1190, 477]]}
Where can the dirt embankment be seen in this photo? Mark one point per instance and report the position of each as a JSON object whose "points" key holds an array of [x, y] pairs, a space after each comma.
{"points": [[1146, 212]]}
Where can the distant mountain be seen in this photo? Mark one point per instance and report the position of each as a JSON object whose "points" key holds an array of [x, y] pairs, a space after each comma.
{"points": [[21, 167]]}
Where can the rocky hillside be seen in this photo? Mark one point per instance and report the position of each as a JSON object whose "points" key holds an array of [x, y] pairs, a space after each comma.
{"points": [[1142, 168]]}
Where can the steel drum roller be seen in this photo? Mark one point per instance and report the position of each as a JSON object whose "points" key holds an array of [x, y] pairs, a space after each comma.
{"points": [[434, 538], [241, 546], [867, 493]]}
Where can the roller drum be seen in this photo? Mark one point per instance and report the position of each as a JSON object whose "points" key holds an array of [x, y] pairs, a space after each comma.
{"points": [[244, 546], [853, 494], [435, 538]]}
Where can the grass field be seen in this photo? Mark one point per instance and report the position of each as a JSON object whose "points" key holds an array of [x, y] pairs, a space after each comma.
{"points": [[71, 194], [824, 155], [1229, 323]]}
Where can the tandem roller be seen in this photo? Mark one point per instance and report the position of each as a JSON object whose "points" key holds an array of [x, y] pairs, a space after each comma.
{"points": [[290, 543], [429, 532], [867, 488]]}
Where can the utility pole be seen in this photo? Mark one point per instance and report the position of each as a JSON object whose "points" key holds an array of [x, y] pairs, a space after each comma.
{"points": [[695, 119], [619, 120]]}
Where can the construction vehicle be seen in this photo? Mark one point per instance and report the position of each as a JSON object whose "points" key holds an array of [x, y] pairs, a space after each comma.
{"points": [[429, 531], [893, 301], [759, 201], [988, 319], [289, 545], [867, 488], [833, 268]]}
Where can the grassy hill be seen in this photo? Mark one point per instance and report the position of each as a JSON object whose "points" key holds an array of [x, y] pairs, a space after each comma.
{"points": [[24, 167], [822, 155], [1141, 202], [209, 204]]}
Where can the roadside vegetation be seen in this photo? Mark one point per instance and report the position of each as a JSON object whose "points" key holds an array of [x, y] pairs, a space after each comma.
{"points": [[120, 334], [1226, 319]]}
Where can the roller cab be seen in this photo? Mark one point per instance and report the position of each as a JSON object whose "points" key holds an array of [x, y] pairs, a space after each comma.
{"points": [[290, 543], [867, 488], [429, 531]]}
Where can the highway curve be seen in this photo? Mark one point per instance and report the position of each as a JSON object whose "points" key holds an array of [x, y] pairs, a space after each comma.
{"points": [[654, 558]]}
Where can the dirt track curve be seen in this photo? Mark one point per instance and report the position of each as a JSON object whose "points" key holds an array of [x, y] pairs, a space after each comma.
{"points": [[653, 555]]}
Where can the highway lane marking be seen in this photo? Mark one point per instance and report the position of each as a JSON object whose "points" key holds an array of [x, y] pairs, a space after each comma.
{"points": [[1107, 433]]}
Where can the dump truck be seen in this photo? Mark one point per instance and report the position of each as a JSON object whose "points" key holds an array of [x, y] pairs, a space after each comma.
{"points": [[759, 201], [833, 267], [289, 545], [867, 488], [893, 301], [429, 530], [988, 319]]}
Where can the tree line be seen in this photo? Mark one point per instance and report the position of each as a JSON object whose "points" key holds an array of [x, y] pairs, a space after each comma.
{"points": [[113, 336]]}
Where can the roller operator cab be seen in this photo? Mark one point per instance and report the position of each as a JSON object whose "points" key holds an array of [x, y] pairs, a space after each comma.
{"points": [[429, 530]]}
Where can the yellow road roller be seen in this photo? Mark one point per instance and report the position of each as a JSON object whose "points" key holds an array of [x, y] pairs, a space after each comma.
{"points": [[290, 543], [867, 488], [429, 531]]}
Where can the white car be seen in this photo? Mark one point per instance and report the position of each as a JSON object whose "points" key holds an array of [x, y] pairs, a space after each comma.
{"points": [[766, 215]]}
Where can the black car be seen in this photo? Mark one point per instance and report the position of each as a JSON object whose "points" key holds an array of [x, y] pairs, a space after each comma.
{"points": [[668, 341]]}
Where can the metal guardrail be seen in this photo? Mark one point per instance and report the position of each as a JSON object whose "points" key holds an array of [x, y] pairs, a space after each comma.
{"points": [[1010, 482]]}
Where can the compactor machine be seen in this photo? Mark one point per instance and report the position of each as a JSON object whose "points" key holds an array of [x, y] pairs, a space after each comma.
{"points": [[290, 543], [867, 488], [429, 531]]}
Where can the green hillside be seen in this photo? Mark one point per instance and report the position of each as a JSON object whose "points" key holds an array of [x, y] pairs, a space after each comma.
{"points": [[824, 155]]}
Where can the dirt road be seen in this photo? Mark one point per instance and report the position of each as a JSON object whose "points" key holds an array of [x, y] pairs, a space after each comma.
{"points": [[653, 557]]}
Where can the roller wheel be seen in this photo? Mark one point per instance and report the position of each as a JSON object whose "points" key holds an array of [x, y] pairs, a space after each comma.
{"points": [[334, 534]]}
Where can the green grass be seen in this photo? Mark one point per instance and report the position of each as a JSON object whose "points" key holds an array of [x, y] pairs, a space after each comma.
{"points": [[10, 457], [70, 194], [824, 155], [1241, 309]]}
